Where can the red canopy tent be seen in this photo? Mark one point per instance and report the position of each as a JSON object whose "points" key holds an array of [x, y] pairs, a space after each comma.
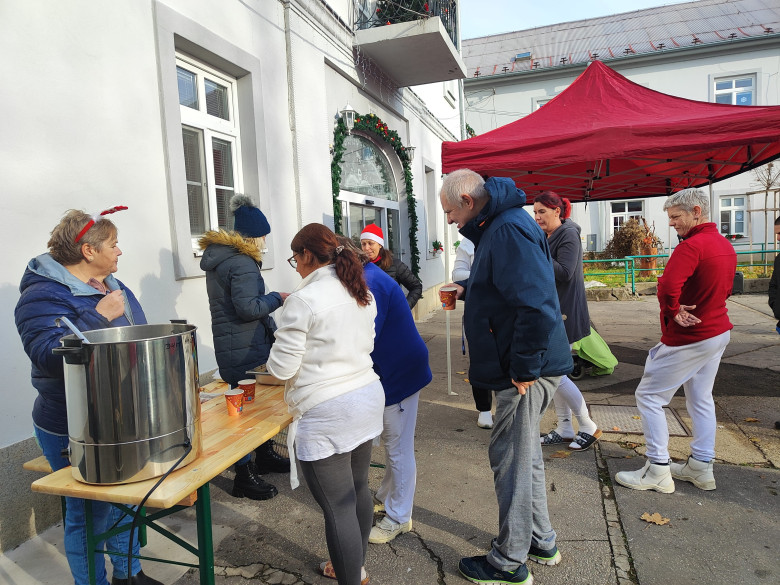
{"points": [[606, 137]]}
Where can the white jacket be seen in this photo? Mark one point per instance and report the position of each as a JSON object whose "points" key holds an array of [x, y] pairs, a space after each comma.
{"points": [[464, 256], [323, 344]]}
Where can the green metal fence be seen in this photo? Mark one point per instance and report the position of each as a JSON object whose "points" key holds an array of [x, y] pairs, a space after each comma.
{"points": [[633, 268]]}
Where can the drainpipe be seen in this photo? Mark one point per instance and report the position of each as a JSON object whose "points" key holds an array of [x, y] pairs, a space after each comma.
{"points": [[291, 113]]}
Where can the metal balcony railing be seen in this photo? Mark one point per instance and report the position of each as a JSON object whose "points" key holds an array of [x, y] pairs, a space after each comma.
{"points": [[370, 13]]}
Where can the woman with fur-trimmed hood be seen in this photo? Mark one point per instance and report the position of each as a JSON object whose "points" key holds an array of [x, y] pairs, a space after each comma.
{"points": [[241, 321]]}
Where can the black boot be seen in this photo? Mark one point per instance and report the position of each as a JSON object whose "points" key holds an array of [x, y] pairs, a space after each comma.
{"points": [[138, 579], [268, 460], [248, 484]]}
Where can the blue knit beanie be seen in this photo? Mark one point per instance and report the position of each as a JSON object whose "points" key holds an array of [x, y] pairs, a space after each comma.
{"points": [[249, 220]]}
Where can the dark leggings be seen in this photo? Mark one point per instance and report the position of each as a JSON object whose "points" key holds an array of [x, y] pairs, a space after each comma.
{"points": [[483, 399], [339, 484]]}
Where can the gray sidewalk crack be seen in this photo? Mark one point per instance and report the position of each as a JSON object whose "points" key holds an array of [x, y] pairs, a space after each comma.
{"points": [[434, 557]]}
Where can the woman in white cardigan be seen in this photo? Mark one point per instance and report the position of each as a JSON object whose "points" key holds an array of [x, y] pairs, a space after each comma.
{"points": [[322, 349]]}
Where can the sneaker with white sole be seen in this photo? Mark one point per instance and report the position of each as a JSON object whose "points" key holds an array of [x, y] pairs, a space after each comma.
{"points": [[386, 530], [544, 557], [651, 477], [485, 420], [479, 570], [699, 473]]}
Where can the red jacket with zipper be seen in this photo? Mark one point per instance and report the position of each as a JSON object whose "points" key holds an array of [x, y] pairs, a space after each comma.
{"points": [[699, 272]]}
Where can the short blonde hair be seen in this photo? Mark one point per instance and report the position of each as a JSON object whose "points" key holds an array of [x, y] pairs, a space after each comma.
{"points": [[63, 246]]}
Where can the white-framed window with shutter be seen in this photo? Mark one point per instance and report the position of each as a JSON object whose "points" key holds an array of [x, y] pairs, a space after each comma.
{"points": [[211, 143]]}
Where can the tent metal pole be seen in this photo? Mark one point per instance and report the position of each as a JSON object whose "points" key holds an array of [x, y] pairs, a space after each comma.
{"points": [[712, 203], [448, 314]]}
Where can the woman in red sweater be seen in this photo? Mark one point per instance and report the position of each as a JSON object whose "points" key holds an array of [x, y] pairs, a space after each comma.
{"points": [[695, 330]]}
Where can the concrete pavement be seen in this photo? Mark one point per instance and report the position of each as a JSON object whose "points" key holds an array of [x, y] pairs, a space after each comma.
{"points": [[730, 535]]}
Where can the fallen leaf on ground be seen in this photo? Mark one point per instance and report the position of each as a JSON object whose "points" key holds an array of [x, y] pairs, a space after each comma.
{"points": [[636, 417], [560, 454], [751, 419], [654, 518], [466, 380], [615, 428], [460, 373]]}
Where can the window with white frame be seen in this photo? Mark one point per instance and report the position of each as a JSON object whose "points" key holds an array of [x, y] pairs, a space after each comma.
{"points": [[622, 211], [211, 142], [738, 91], [732, 215]]}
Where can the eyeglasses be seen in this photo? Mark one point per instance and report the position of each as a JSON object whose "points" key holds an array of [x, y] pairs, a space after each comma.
{"points": [[292, 261]]}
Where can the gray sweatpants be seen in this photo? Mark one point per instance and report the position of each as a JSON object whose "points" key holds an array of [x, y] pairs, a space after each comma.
{"points": [[518, 474]]}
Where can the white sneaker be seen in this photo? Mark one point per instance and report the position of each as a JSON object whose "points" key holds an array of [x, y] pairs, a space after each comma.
{"points": [[697, 472], [650, 477], [386, 530], [485, 420]]}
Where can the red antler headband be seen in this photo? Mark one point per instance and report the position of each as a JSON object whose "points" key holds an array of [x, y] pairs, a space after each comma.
{"points": [[96, 217]]}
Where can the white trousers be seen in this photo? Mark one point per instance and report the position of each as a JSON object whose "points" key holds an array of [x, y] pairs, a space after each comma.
{"points": [[397, 488], [694, 368]]}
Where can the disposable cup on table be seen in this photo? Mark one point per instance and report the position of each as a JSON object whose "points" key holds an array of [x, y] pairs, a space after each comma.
{"points": [[248, 386], [235, 401]]}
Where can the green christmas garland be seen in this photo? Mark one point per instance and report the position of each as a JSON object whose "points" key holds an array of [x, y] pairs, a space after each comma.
{"points": [[371, 124]]}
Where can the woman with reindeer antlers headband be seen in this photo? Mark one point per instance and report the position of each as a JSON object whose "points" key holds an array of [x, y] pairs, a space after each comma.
{"points": [[75, 280]]}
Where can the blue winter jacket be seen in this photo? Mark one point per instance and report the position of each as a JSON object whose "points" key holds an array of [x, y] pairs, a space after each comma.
{"points": [[241, 322], [400, 355], [49, 291], [512, 318]]}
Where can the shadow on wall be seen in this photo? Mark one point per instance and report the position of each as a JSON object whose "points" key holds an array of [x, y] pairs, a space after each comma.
{"points": [[158, 296]]}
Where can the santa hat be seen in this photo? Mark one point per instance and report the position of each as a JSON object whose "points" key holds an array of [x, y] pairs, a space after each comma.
{"points": [[373, 232], [250, 222]]}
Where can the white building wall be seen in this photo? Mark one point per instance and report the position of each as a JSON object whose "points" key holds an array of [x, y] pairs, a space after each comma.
{"points": [[91, 120]]}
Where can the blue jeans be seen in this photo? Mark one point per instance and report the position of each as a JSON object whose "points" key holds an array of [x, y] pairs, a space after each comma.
{"points": [[104, 515]]}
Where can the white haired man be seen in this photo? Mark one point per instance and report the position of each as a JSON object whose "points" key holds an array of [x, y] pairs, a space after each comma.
{"points": [[695, 330], [519, 350]]}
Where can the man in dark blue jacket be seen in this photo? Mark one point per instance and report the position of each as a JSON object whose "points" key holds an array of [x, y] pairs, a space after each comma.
{"points": [[518, 349]]}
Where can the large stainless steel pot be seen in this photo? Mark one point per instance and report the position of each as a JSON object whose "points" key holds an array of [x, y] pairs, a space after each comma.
{"points": [[132, 400]]}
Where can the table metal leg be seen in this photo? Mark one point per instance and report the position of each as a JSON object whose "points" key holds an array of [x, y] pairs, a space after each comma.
{"points": [[205, 540]]}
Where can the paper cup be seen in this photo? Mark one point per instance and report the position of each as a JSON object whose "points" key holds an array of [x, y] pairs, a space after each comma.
{"points": [[248, 386], [235, 401], [448, 296]]}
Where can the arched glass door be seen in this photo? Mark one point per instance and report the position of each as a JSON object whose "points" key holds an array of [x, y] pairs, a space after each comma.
{"points": [[368, 190]]}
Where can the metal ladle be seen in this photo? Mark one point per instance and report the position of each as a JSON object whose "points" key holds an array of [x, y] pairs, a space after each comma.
{"points": [[72, 327]]}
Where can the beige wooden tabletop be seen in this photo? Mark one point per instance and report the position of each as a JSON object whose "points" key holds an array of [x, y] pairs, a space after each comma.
{"points": [[225, 440]]}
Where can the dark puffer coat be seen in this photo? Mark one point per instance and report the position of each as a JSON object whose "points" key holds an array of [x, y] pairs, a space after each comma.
{"points": [[401, 273], [241, 320], [49, 291]]}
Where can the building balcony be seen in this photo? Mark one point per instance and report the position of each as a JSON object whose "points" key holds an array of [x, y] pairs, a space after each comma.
{"points": [[413, 41]]}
